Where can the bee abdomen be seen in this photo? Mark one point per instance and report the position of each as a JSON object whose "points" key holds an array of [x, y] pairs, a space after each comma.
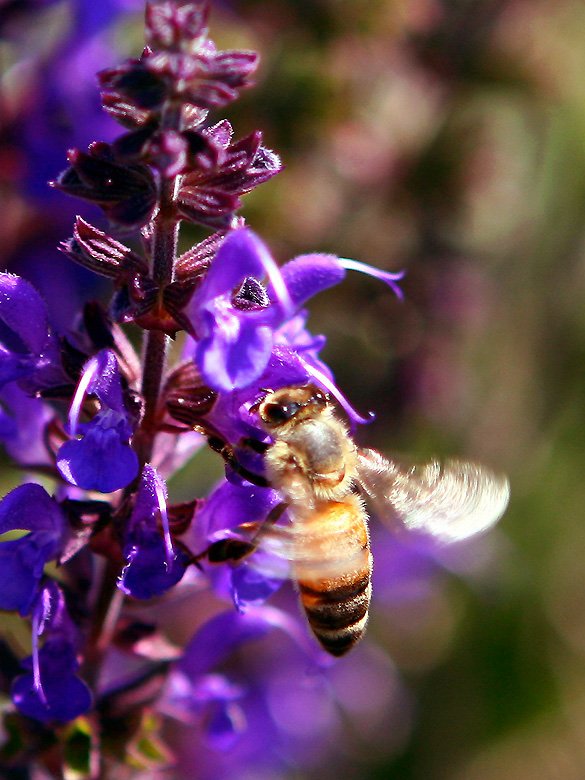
{"points": [[338, 614]]}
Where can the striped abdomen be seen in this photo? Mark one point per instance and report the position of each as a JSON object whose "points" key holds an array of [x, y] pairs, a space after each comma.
{"points": [[334, 573]]}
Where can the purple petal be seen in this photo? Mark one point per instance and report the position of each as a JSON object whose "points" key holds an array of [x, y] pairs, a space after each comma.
{"points": [[285, 367], [211, 698], [99, 461], [24, 311], [50, 610], [106, 380], [20, 563], [241, 254], [308, 275], [227, 507], [14, 365], [225, 632], [228, 361], [152, 565], [225, 723], [219, 637], [147, 505], [22, 426], [250, 587], [65, 697], [148, 572], [29, 507], [214, 687], [385, 276]]}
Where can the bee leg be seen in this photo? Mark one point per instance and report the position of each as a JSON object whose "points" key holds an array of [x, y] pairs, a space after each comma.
{"points": [[256, 446], [232, 550], [272, 517], [227, 453], [236, 550]]}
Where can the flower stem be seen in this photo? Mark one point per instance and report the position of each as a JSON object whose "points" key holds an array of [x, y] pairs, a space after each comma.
{"points": [[105, 614], [164, 252], [166, 230]]}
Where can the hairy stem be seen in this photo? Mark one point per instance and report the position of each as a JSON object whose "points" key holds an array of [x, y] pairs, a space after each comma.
{"points": [[166, 228], [164, 244]]}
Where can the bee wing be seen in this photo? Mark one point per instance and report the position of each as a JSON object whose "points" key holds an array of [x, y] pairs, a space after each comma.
{"points": [[320, 554], [286, 542], [279, 550], [451, 502]]}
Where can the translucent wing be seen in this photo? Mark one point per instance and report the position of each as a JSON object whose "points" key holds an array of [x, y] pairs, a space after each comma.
{"points": [[331, 539], [282, 548], [450, 501]]}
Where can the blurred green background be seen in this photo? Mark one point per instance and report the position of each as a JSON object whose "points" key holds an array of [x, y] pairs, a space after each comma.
{"points": [[447, 137]]}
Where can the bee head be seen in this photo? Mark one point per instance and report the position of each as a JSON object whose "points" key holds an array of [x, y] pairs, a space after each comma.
{"points": [[288, 404]]}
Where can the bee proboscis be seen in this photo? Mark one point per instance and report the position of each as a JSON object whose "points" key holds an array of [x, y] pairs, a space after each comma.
{"points": [[321, 475]]}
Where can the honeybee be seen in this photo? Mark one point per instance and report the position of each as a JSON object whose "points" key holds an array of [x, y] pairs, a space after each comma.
{"points": [[324, 478]]}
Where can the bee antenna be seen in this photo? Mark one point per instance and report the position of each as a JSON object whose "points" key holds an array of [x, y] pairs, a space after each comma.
{"points": [[254, 408]]}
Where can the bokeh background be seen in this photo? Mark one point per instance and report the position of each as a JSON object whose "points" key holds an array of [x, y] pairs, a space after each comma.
{"points": [[445, 137]]}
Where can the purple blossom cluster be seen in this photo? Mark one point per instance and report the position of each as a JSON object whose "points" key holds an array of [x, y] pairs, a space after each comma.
{"points": [[102, 429]]}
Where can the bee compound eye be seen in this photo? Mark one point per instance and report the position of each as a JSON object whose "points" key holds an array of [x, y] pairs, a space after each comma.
{"points": [[274, 414]]}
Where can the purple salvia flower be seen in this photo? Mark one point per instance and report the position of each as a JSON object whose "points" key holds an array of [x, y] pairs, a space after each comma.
{"points": [[231, 708], [235, 321], [33, 355], [293, 361], [197, 693], [227, 507], [52, 691], [153, 565], [28, 508], [234, 343], [23, 421], [194, 685], [101, 459], [277, 716]]}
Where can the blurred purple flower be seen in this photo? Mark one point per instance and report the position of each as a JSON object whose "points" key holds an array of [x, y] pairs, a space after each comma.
{"points": [[274, 714], [23, 421], [196, 691], [27, 508], [33, 355]]}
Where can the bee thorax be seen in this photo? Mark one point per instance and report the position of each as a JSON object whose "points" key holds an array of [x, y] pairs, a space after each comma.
{"points": [[312, 460]]}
